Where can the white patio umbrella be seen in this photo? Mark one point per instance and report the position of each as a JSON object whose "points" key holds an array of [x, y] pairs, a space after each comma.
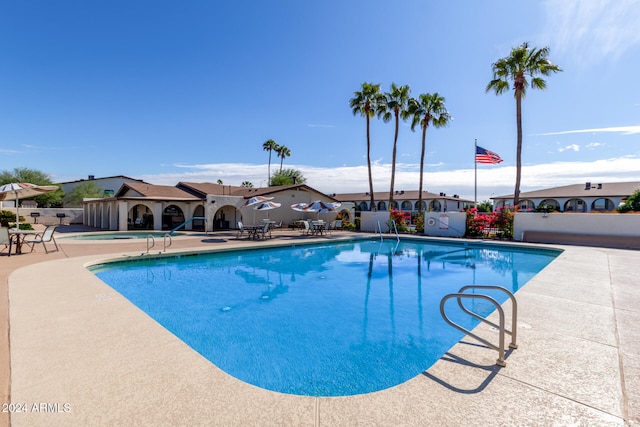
{"points": [[23, 190], [320, 206], [254, 201], [266, 206], [300, 207]]}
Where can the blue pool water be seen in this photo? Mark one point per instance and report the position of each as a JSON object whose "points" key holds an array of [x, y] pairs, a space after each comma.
{"points": [[324, 320]]}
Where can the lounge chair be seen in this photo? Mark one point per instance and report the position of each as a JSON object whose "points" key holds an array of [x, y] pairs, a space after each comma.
{"points": [[45, 237], [5, 238], [240, 230]]}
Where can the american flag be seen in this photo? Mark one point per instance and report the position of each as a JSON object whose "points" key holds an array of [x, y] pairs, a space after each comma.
{"points": [[486, 156]]}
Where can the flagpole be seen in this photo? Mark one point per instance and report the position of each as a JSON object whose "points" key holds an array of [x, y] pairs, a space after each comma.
{"points": [[475, 163]]}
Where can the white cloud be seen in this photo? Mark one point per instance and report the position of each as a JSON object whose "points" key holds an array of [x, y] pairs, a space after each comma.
{"points": [[593, 30], [492, 180], [594, 145], [624, 130], [573, 147]]}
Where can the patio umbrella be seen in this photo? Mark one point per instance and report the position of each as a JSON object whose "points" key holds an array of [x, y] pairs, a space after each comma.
{"points": [[22, 190], [254, 201], [322, 207], [266, 206], [300, 207]]}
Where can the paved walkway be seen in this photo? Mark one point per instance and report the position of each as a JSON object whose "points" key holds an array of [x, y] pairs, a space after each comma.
{"points": [[85, 356]]}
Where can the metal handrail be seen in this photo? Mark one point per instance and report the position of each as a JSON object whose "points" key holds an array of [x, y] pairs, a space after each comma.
{"points": [[395, 227], [501, 326], [191, 220], [514, 310], [380, 231], [151, 239], [165, 241]]}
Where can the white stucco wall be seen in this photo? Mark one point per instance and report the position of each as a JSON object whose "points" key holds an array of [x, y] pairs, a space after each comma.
{"points": [[577, 223]]}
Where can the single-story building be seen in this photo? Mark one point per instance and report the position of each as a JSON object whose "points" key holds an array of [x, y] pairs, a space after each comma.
{"points": [[588, 197], [406, 201], [196, 206]]}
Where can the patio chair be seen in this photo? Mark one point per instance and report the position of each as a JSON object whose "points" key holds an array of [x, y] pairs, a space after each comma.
{"points": [[45, 237], [5, 238], [240, 230], [306, 229], [337, 224], [266, 228]]}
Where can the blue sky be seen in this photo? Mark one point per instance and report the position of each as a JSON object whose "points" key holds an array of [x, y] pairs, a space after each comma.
{"points": [[170, 91]]}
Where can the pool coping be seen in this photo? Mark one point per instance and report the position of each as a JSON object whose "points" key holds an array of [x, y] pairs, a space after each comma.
{"points": [[127, 369]]}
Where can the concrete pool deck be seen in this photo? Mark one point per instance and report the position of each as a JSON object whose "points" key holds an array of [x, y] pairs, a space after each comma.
{"points": [[80, 354]]}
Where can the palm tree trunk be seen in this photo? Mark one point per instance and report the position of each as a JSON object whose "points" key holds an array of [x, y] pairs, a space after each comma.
{"points": [[393, 162], [516, 191], [269, 174], [372, 208], [424, 137]]}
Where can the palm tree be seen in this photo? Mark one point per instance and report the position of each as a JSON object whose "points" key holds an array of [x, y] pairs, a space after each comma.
{"points": [[282, 153], [396, 106], [427, 109], [269, 145], [246, 184], [368, 102], [522, 62]]}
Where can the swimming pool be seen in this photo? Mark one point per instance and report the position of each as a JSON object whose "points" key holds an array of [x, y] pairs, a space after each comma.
{"points": [[320, 320], [124, 235]]}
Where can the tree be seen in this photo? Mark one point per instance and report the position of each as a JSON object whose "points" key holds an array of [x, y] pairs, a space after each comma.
{"points": [[282, 153], [522, 62], [87, 189], [53, 198], [395, 107], [269, 145], [427, 109], [368, 102], [246, 184], [287, 177], [219, 182]]}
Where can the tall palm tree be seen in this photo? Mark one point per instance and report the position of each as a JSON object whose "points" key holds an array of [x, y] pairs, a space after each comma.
{"points": [[523, 61], [397, 102], [428, 109], [282, 153], [269, 145], [368, 102]]}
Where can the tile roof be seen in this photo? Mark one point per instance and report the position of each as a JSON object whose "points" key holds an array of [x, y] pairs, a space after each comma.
{"points": [[595, 189]]}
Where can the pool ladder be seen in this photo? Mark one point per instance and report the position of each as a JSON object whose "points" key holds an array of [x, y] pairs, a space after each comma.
{"points": [[460, 295], [151, 242]]}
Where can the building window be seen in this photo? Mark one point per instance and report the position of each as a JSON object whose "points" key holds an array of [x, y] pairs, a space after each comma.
{"points": [[435, 206], [406, 205], [424, 206], [602, 205], [364, 206], [382, 206], [575, 205]]}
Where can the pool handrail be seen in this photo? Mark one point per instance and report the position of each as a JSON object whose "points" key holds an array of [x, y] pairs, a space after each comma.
{"points": [[187, 222], [501, 326]]}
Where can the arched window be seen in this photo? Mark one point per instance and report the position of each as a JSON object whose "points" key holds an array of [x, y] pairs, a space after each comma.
{"points": [[382, 206], [550, 202], [364, 206], [602, 205], [526, 205], [435, 206], [575, 205], [424, 206], [406, 205], [395, 205]]}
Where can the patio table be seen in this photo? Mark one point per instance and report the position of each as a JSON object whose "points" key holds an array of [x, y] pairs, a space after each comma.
{"points": [[19, 235]]}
